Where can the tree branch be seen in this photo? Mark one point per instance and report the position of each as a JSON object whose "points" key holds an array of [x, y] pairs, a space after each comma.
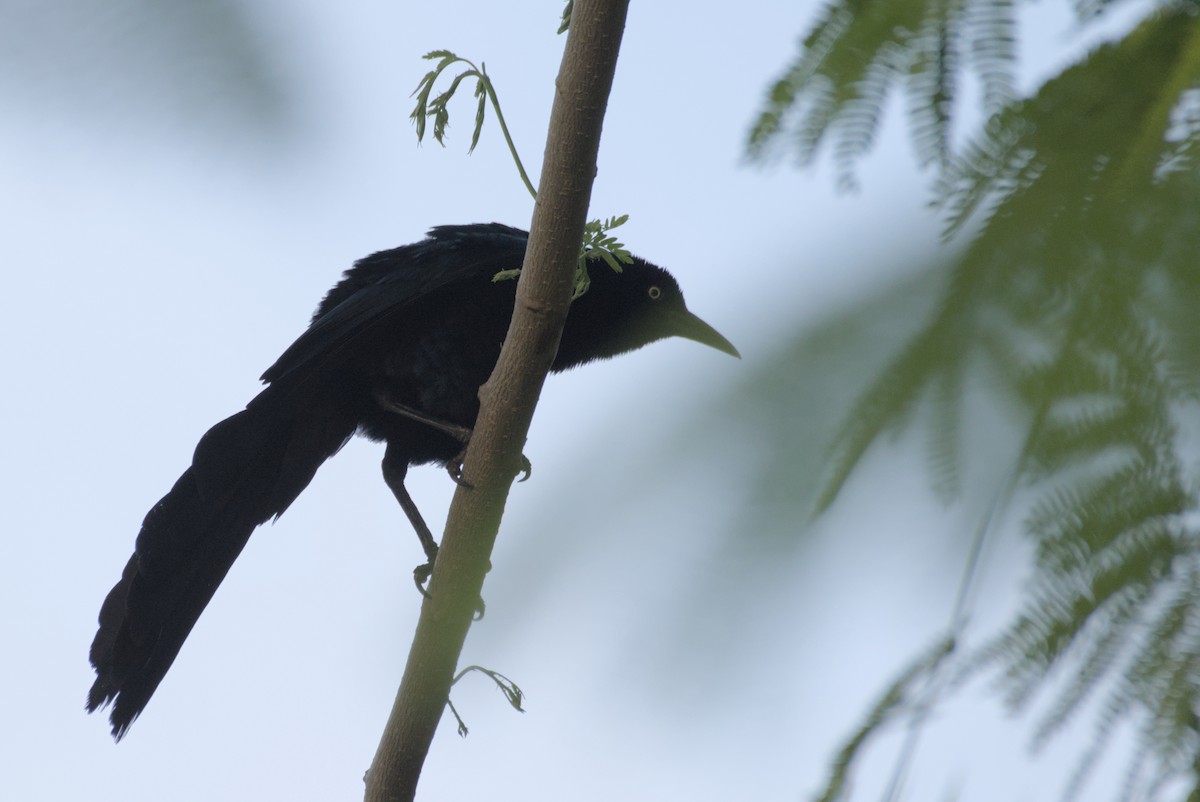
{"points": [[508, 398]]}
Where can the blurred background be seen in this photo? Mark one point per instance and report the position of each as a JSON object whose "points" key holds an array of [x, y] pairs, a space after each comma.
{"points": [[933, 537]]}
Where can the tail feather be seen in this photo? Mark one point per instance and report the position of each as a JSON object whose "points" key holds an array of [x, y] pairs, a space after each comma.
{"points": [[246, 469]]}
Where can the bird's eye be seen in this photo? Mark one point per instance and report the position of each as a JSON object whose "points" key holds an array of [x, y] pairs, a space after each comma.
{"points": [[655, 293]]}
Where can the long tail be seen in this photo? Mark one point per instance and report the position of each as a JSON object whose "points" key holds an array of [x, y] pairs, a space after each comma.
{"points": [[246, 469]]}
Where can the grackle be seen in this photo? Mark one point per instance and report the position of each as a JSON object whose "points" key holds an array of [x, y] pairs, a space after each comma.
{"points": [[397, 350]]}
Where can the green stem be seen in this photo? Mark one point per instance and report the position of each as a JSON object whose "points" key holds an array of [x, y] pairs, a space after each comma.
{"points": [[512, 148]]}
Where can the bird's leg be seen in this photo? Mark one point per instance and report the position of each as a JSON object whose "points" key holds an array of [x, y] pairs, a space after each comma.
{"points": [[395, 468], [460, 433]]}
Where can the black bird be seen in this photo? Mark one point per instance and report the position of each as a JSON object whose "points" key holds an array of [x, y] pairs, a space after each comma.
{"points": [[397, 350]]}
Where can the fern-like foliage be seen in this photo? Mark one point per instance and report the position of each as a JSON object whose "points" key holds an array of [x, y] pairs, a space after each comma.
{"points": [[1080, 295], [901, 698], [859, 50], [1065, 140]]}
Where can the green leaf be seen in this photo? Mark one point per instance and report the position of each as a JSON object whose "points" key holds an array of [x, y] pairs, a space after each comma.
{"points": [[565, 23], [481, 93]]}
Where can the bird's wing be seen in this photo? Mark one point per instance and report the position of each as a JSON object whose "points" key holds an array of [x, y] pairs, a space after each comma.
{"points": [[392, 283]]}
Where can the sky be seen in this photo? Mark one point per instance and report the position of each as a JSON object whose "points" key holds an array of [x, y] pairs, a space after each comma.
{"points": [[158, 257]]}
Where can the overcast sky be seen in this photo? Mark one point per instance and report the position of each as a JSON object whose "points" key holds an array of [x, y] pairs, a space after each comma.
{"points": [[157, 261]]}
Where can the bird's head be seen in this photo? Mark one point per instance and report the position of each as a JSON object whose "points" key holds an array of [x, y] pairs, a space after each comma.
{"points": [[622, 311]]}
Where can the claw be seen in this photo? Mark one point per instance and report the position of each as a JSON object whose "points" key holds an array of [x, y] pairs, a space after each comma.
{"points": [[421, 575], [422, 572], [455, 468]]}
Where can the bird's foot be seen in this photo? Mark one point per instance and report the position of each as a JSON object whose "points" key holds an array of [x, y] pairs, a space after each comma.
{"points": [[422, 573], [455, 468], [421, 576]]}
